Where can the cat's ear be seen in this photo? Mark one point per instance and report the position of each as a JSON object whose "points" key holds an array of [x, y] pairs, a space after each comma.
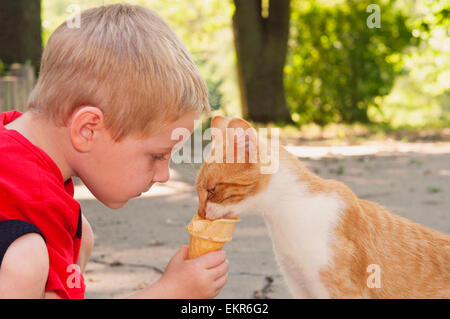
{"points": [[242, 136], [218, 129], [219, 122], [236, 122], [243, 126]]}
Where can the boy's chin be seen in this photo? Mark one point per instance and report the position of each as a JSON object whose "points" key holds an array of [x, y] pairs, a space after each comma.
{"points": [[114, 205]]}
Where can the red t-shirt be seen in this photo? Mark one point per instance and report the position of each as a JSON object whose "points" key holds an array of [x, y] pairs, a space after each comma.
{"points": [[32, 189]]}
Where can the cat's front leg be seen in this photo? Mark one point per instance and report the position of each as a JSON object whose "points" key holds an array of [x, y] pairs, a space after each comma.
{"points": [[303, 283]]}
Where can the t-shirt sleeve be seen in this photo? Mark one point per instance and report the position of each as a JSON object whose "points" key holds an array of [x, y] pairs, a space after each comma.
{"points": [[12, 229]]}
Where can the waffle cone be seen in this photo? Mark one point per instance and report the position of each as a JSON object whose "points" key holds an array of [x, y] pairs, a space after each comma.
{"points": [[209, 235]]}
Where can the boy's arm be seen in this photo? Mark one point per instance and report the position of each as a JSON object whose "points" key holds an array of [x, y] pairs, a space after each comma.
{"points": [[87, 244], [24, 269], [202, 277]]}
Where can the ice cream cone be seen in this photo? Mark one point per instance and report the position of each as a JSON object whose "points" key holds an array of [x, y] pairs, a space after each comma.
{"points": [[209, 235]]}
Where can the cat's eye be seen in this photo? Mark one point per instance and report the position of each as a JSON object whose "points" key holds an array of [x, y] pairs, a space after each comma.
{"points": [[211, 191]]}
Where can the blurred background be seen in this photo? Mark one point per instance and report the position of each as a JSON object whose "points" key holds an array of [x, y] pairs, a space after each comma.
{"points": [[303, 65], [360, 93]]}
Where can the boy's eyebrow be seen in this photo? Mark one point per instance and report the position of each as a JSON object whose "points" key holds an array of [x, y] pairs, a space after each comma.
{"points": [[168, 149], [165, 149]]}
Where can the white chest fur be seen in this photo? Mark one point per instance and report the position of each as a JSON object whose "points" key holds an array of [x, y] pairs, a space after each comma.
{"points": [[301, 226]]}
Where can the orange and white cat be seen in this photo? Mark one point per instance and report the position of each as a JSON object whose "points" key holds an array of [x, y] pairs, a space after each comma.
{"points": [[328, 242]]}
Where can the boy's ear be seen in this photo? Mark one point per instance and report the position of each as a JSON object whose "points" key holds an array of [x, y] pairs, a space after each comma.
{"points": [[85, 124]]}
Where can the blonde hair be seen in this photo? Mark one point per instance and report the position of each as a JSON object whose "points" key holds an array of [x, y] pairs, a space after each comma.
{"points": [[125, 60]]}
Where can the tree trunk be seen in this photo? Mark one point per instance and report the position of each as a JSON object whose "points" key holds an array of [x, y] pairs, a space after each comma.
{"points": [[20, 31], [261, 47]]}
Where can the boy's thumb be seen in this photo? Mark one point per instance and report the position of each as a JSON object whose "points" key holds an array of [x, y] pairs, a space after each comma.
{"points": [[182, 253]]}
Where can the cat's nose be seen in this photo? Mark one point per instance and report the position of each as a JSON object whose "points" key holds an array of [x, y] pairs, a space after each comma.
{"points": [[201, 212]]}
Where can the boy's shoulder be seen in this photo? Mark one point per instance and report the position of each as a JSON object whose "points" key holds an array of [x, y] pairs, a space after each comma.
{"points": [[26, 172], [22, 171], [32, 186]]}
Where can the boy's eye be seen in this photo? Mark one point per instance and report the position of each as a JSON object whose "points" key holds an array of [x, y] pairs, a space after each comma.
{"points": [[160, 157]]}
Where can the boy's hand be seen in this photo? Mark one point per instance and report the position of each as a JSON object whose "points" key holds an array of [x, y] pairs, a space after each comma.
{"points": [[202, 277]]}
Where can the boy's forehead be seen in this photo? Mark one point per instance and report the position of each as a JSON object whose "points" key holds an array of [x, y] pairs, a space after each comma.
{"points": [[183, 123], [187, 121], [165, 135]]}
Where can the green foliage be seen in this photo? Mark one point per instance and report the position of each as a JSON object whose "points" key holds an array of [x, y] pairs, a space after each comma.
{"points": [[338, 69], [433, 190], [204, 27], [337, 66], [421, 97]]}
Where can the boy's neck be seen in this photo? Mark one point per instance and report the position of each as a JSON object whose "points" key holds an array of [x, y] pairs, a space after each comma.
{"points": [[45, 135]]}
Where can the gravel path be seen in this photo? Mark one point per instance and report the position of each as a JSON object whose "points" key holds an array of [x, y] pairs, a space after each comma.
{"points": [[134, 244]]}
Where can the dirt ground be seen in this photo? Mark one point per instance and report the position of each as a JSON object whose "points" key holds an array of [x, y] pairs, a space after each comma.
{"points": [[134, 244]]}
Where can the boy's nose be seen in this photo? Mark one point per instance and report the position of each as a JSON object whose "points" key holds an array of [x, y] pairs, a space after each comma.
{"points": [[162, 174]]}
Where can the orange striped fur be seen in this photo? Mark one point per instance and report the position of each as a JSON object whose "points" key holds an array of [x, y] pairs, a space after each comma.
{"points": [[361, 250]]}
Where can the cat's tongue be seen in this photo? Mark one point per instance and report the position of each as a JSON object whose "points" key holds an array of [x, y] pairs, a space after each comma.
{"points": [[229, 216], [197, 216], [223, 217]]}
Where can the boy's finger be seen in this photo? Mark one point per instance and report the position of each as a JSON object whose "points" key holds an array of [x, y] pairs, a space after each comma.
{"points": [[182, 253], [220, 282], [212, 259], [220, 270]]}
